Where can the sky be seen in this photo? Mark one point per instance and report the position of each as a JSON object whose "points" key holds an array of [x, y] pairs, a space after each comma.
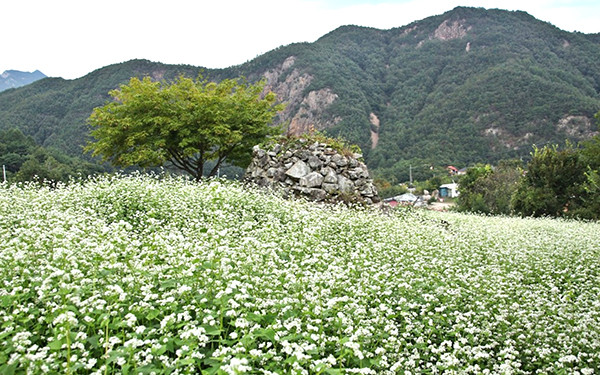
{"points": [[70, 38]]}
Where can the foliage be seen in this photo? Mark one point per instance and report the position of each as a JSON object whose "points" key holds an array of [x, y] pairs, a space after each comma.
{"points": [[387, 189], [489, 190], [556, 183], [553, 185], [24, 160], [186, 123], [590, 155], [158, 275]]}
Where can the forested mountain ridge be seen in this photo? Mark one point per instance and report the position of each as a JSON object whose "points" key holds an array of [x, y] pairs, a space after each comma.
{"points": [[54, 110], [14, 78], [471, 85]]}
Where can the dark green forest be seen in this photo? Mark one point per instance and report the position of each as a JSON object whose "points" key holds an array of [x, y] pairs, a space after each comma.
{"points": [[465, 87]]}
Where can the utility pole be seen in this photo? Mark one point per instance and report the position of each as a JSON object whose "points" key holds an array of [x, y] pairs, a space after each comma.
{"points": [[4, 172], [410, 174]]}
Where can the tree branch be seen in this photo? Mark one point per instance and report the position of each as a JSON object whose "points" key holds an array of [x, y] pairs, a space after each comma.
{"points": [[180, 162]]}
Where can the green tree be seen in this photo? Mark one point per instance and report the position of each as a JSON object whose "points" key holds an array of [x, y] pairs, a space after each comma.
{"points": [[590, 154], [553, 184], [489, 190], [186, 123], [471, 189]]}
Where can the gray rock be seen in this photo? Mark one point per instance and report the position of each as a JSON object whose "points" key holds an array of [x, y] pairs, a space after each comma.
{"points": [[256, 173], [330, 188], [353, 174], [263, 182], [331, 178], [258, 152], [364, 172], [302, 154], [367, 191], [311, 180], [326, 159], [264, 161], [277, 174], [327, 170], [342, 162], [298, 170], [314, 162], [346, 185], [276, 148], [361, 183], [317, 194]]}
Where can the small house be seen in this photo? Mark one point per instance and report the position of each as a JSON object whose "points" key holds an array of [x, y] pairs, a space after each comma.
{"points": [[403, 199], [449, 190], [452, 170]]}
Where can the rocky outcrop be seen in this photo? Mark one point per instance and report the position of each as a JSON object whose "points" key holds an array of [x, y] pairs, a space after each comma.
{"points": [[304, 111], [374, 120], [314, 170], [451, 30], [579, 127]]}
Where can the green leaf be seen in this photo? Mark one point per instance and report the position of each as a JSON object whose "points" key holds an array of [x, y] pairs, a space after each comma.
{"points": [[6, 301], [93, 340], [55, 345], [8, 369], [161, 350], [212, 330], [152, 314], [268, 334]]}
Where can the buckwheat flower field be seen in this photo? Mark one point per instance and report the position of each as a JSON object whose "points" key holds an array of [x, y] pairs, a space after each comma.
{"points": [[160, 275]]}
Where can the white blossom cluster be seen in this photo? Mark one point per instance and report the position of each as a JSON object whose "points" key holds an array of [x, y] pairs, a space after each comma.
{"points": [[160, 275]]}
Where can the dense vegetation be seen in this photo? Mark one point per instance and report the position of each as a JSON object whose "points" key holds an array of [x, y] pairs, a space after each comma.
{"points": [[140, 275], [557, 181], [437, 103], [24, 160]]}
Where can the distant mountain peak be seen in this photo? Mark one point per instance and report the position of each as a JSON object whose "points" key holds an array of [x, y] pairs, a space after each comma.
{"points": [[11, 79]]}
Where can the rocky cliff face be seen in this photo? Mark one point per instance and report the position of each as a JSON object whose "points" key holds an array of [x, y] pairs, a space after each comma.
{"points": [[304, 111], [314, 170]]}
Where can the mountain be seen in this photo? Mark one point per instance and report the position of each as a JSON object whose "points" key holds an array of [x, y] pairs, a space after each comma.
{"points": [[14, 78], [470, 85]]}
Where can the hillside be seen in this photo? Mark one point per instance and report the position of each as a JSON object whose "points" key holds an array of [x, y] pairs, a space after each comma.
{"points": [[471, 85], [14, 78]]}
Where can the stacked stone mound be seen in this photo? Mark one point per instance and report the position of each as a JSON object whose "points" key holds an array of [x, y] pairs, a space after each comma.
{"points": [[315, 171]]}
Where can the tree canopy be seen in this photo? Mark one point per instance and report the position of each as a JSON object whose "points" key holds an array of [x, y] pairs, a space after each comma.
{"points": [[187, 123]]}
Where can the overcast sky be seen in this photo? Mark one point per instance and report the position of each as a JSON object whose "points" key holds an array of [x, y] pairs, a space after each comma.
{"points": [[70, 38]]}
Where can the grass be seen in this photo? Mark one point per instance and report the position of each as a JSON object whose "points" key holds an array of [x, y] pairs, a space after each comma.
{"points": [[141, 274]]}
